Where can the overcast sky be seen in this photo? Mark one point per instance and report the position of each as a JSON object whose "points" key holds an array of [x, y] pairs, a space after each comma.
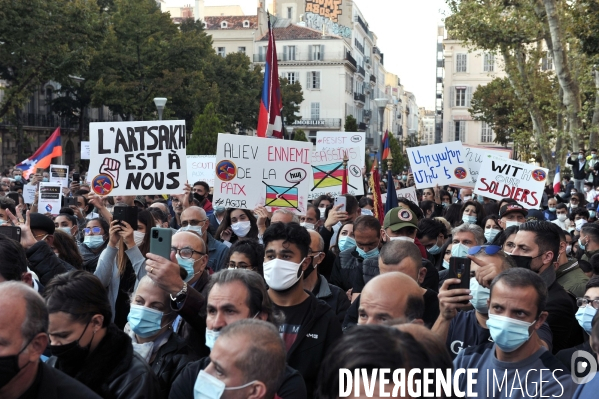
{"points": [[406, 31]]}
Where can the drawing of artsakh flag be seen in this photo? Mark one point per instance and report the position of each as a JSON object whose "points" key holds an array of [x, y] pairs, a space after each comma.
{"points": [[328, 175], [284, 197]]}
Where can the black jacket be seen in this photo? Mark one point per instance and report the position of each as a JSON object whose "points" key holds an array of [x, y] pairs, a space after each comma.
{"points": [[345, 268], [113, 370], [54, 384], [318, 332], [292, 386], [44, 262], [334, 296], [213, 226], [90, 258], [577, 171], [170, 360]]}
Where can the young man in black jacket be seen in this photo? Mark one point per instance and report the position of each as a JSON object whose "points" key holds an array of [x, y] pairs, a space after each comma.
{"points": [[310, 327]]}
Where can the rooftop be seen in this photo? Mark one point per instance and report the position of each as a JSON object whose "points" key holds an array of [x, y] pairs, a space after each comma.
{"points": [[233, 22], [296, 32]]}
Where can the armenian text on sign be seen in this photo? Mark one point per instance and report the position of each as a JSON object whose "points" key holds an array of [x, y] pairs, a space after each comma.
{"points": [[326, 8]]}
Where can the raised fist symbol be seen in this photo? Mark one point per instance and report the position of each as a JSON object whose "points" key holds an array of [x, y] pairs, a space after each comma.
{"points": [[111, 167]]}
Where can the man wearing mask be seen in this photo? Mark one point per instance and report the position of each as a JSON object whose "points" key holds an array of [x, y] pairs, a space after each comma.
{"points": [[367, 234], [589, 240], [512, 215], [516, 312], [550, 213], [310, 327], [567, 271], [311, 220], [463, 238], [202, 189], [579, 217], [317, 284], [561, 214], [578, 170], [465, 194], [194, 218]]}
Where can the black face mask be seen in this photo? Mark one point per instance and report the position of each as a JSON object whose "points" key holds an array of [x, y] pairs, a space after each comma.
{"points": [[9, 367], [71, 352], [522, 261]]}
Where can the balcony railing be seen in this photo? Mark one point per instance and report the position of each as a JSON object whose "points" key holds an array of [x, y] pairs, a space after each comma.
{"points": [[372, 78], [351, 59], [362, 126], [363, 25], [307, 56], [324, 122], [361, 70], [360, 97]]}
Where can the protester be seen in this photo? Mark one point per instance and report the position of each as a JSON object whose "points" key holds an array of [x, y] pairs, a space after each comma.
{"points": [[472, 212], [578, 169], [506, 239], [589, 390], [237, 223], [492, 228], [94, 243], [589, 240], [194, 218], [550, 212], [216, 218], [568, 272], [65, 247], [311, 220], [14, 264], [246, 254], [201, 190], [431, 234], [512, 215]]}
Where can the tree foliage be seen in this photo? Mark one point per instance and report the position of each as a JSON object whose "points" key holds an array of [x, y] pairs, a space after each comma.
{"points": [[299, 135], [204, 136], [351, 125], [292, 97]]}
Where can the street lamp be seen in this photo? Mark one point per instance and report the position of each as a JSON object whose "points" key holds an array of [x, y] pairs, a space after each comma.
{"points": [[160, 103]]}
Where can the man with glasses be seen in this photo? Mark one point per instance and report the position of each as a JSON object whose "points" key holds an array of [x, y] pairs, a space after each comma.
{"points": [[194, 218]]}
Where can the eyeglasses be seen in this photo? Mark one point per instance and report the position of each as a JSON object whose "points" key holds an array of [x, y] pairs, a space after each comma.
{"points": [[192, 222], [95, 230], [239, 265], [582, 302], [489, 249], [186, 253]]}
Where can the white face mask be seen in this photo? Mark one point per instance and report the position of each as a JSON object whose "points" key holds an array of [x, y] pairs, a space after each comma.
{"points": [[322, 211], [308, 226], [579, 223], [138, 237], [241, 229], [401, 238], [512, 223], [467, 198], [210, 387], [562, 217], [280, 274], [211, 337], [197, 229]]}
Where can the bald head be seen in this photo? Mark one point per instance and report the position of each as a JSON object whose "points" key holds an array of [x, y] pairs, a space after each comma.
{"points": [[401, 256], [389, 296], [160, 206], [316, 241], [189, 239], [22, 308]]}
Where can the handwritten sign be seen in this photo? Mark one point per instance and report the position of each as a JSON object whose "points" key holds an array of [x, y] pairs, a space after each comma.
{"points": [[201, 168], [475, 156], [50, 200], [327, 172], [501, 177], [130, 158], [346, 140], [252, 171], [85, 153], [29, 193], [59, 174], [441, 164], [407, 193]]}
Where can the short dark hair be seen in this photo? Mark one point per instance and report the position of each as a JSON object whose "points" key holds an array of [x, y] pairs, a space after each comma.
{"points": [[519, 277], [80, 294], [592, 283], [591, 230], [70, 217], [367, 222], [561, 205], [579, 212], [158, 214], [546, 236], [291, 233], [252, 249], [414, 307], [203, 184], [351, 204], [7, 203], [316, 210], [364, 201], [393, 252], [14, 260], [431, 228], [591, 265], [427, 205]]}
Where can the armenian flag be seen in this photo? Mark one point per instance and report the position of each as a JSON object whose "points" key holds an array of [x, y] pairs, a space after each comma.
{"points": [[375, 189], [386, 148], [42, 158], [328, 175], [283, 197], [270, 122]]}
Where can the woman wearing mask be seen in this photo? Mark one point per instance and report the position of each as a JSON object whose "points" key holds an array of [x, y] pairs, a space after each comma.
{"points": [[506, 239], [445, 199], [149, 326], [246, 254], [122, 263], [65, 247], [237, 223], [473, 213], [322, 203], [345, 239], [492, 228], [94, 242], [86, 346]]}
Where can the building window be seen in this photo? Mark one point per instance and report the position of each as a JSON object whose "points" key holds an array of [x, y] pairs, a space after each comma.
{"points": [[461, 60], [291, 77], [486, 133], [313, 80], [241, 50], [489, 62], [220, 51], [224, 25], [288, 53], [315, 111], [460, 96], [547, 62], [246, 24], [459, 130], [317, 53], [289, 12]]}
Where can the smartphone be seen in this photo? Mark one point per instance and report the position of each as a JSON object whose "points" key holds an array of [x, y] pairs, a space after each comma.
{"points": [[70, 201], [76, 177], [459, 268], [341, 200], [13, 232], [127, 214], [160, 241]]}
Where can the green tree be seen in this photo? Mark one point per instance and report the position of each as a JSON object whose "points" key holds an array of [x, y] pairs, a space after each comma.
{"points": [[351, 124], [299, 135], [205, 132], [292, 97], [399, 161]]}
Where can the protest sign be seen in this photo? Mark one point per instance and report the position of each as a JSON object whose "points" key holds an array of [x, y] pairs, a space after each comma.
{"points": [[475, 155], [407, 193], [85, 153], [441, 164], [201, 168], [327, 172], [50, 200], [501, 177], [29, 193], [253, 171], [131, 158], [59, 174], [332, 140]]}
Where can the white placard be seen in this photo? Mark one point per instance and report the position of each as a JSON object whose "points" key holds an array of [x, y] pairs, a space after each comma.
{"points": [[59, 174], [85, 153], [441, 164], [333, 140], [253, 171], [142, 157], [201, 168], [327, 172], [50, 200], [475, 156], [29, 193], [408, 193], [505, 178]]}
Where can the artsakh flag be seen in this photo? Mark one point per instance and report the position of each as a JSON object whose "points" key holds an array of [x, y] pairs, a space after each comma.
{"points": [[328, 175], [283, 197], [42, 158], [270, 123], [386, 147]]}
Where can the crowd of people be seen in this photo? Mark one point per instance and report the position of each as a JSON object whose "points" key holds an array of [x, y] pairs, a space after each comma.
{"points": [[254, 304]]}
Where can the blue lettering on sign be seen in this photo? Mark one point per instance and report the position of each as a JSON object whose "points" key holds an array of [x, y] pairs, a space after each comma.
{"points": [[429, 164], [447, 155]]}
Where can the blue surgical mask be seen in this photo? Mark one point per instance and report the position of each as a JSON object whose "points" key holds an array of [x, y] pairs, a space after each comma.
{"points": [[434, 250], [45, 180], [592, 214], [509, 334], [66, 229], [490, 234], [445, 264], [18, 178], [580, 156], [459, 251], [219, 209], [404, 177], [585, 316], [580, 244], [552, 209], [445, 204], [210, 387], [93, 242], [187, 264], [346, 242], [480, 295], [480, 198], [367, 212], [469, 219], [373, 253], [211, 337], [144, 322]]}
